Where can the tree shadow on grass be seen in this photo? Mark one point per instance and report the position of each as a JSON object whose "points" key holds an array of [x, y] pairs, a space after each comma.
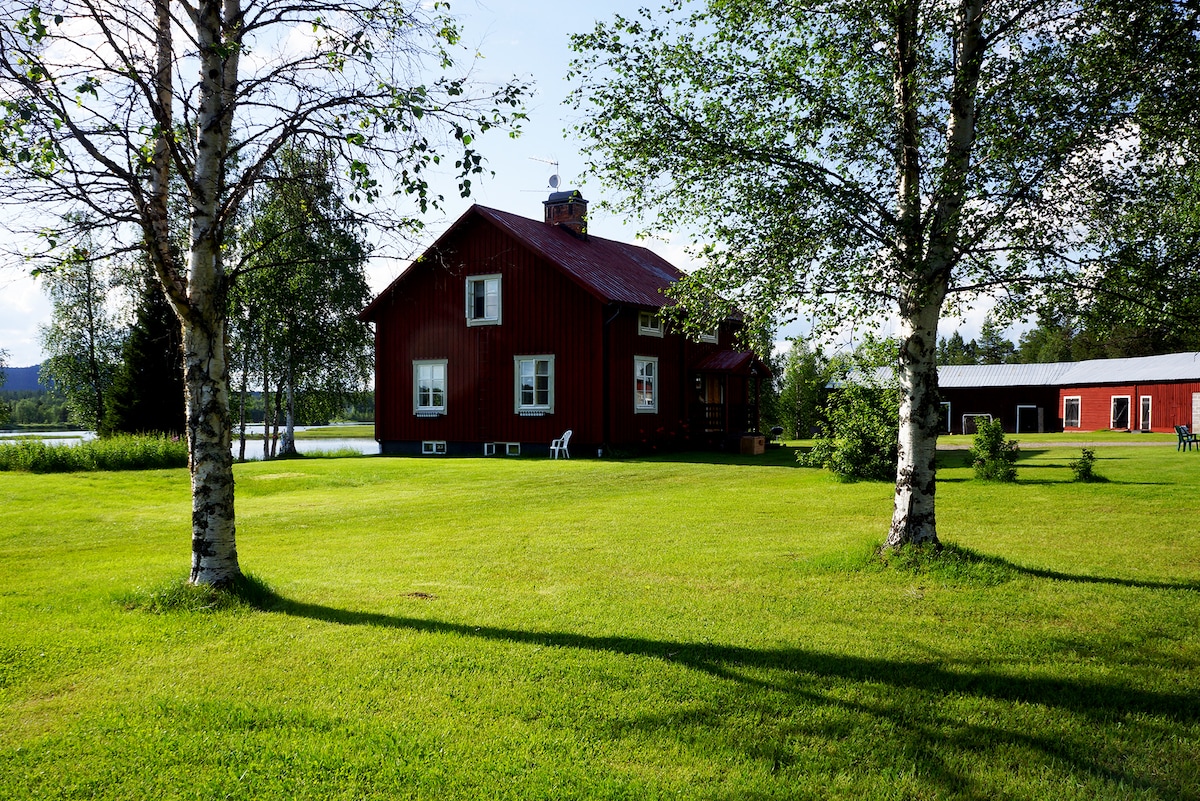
{"points": [[1088, 698], [1056, 575], [898, 697]]}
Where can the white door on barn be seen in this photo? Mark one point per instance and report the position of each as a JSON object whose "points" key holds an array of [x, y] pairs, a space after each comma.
{"points": [[1195, 411]]}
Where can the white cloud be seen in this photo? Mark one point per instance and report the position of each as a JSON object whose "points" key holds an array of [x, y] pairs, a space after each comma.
{"points": [[23, 307]]}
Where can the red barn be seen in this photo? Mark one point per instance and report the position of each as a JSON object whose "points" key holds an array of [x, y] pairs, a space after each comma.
{"points": [[1146, 393], [1023, 397], [509, 331]]}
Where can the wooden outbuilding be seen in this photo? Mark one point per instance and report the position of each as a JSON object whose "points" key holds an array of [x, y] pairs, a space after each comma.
{"points": [[1024, 397], [509, 331], [1145, 393]]}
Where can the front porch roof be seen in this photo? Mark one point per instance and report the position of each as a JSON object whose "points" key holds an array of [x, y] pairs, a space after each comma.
{"points": [[741, 362]]}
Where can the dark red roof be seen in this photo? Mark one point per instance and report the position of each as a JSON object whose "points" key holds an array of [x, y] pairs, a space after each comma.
{"points": [[731, 361], [611, 271]]}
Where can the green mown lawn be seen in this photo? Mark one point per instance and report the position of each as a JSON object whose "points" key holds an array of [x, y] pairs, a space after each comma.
{"points": [[536, 629]]}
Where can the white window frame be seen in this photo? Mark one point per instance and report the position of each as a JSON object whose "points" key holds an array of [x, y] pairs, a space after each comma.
{"points": [[639, 375], [534, 408], [1145, 413], [512, 449], [429, 409], [433, 447], [486, 319], [489, 449], [947, 424], [1078, 410], [1128, 412], [712, 336], [650, 324]]}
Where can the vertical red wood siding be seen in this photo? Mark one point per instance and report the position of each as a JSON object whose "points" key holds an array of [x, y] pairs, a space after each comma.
{"points": [[1170, 404], [542, 313]]}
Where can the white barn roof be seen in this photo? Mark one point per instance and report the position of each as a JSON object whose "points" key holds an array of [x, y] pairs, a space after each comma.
{"points": [[1002, 375], [1137, 370], [1142, 369]]}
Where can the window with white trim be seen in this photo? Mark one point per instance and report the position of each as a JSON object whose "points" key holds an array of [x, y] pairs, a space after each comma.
{"points": [[645, 384], [650, 324], [1144, 418], [713, 335], [1071, 412], [433, 448], [429, 387], [534, 384], [483, 300]]}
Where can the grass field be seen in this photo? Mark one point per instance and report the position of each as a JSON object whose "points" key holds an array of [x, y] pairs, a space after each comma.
{"points": [[529, 629]]}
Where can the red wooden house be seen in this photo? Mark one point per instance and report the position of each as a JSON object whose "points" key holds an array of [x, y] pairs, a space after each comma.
{"points": [[509, 331]]}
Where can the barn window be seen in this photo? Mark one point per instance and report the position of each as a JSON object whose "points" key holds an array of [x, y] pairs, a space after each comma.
{"points": [[645, 384], [429, 387], [650, 324], [483, 300], [713, 335], [945, 420], [534, 389], [1071, 412], [1144, 420]]}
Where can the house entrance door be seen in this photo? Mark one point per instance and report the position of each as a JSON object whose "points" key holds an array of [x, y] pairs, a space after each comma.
{"points": [[714, 403]]}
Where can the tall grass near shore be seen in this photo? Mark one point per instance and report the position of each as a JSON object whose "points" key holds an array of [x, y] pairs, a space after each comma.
{"points": [[122, 452], [529, 629]]}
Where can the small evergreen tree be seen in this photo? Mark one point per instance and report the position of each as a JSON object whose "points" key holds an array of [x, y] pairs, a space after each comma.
{"points": [[147, 392], [993, 346], [954, 350], [993, 455]]}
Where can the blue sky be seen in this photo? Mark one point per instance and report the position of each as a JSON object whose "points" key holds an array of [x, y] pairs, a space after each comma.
{"points": [[524, 39], [529, 40]]}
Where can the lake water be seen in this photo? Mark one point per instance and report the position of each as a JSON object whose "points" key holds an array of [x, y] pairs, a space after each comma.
{"points": [[254, 447]]}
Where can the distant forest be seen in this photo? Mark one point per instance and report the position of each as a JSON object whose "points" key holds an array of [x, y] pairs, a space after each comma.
{"points": [[33, 405]]}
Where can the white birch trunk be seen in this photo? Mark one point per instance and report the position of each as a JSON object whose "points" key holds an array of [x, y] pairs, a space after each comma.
{"points": [[928, 257], [214, 544], [288, 445], [913, 517]]}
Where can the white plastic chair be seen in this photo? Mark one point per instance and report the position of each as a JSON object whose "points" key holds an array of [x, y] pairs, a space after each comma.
{"points": [[559, 446]]}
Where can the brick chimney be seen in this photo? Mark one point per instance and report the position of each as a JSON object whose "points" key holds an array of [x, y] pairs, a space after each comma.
{"points": [[569, 210]]}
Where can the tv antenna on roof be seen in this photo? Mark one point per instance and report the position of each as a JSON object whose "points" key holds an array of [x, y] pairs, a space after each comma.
{"points": [[554, 181]]}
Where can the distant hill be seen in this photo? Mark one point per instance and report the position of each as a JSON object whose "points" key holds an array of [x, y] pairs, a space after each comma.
{"points": [[22, 379]]}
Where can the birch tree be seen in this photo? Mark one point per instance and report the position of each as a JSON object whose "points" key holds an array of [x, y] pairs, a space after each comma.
{"points": [[83, 340], [303, 284], [104, 104], [875, 160]]}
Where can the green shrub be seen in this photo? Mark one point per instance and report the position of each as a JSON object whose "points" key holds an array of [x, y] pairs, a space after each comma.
{"points": [[859, 435], [124, 452], [993, 455], [1085, 466]]}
